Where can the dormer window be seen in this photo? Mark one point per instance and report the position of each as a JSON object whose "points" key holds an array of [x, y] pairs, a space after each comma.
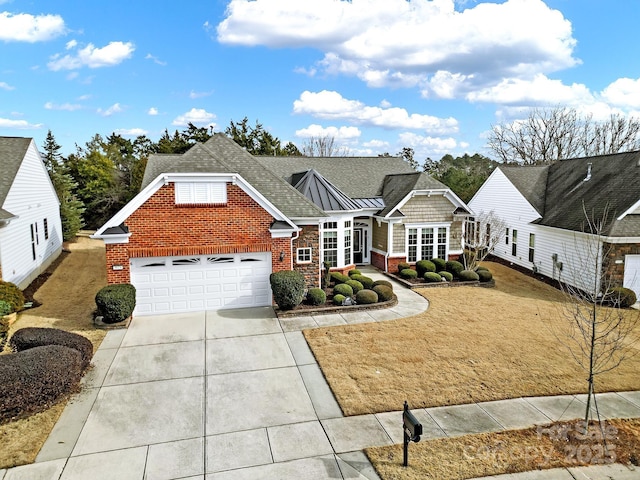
{"points": [[201, 193]]}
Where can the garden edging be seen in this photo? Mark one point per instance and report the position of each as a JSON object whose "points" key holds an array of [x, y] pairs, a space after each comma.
{"points": [[335, 309]]}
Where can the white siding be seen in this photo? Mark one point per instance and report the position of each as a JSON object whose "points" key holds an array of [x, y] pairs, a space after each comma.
{"points": [[31, 198]]}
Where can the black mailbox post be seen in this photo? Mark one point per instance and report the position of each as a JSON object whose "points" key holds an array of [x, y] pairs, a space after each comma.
{"points": [[412, 431]]}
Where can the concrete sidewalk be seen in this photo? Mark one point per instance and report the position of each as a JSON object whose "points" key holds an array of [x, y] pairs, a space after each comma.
{"points": [[237, 394]]}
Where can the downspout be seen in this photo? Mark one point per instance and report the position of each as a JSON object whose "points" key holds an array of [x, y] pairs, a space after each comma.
{"points": [[297, 235]]}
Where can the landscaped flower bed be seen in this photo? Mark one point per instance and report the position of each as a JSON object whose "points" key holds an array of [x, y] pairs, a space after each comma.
{"points": [[440, 273]]}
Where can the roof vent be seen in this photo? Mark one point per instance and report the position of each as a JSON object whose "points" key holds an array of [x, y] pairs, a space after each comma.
{"points": [[588, 177]]}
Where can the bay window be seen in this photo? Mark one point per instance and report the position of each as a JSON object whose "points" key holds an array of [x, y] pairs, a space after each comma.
{"points": [[337, 242]]}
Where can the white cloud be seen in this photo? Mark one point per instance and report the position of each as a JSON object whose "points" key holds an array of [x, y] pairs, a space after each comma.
{"points": [[339, 133], [69, 107], [6, 86], [197, 116], [433, 145], [624, 92], [376, 144], [85, 97], [331, 105], [194, 95], [19, 124], [155, 60], [152, 111], [108, 56], [115, 108], [23, 27], [71, 44], [130, 132]]}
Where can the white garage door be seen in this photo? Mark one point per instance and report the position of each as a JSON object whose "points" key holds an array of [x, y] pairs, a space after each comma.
{"points": [[202, 282], [632, 273]]}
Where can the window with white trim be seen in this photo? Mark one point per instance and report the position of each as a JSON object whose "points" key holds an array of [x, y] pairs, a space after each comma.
{"points": [[506, 236], [45, 222], [303, 255], [347, 242], [514, 242], [34, 239], [532, 247], [201, 193], [330, 243], [425, 243]]}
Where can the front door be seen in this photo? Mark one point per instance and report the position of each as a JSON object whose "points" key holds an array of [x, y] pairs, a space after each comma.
{"points": [[361, 245]]}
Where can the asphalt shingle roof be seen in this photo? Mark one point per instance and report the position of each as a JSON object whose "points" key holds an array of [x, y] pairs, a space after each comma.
{"points": [[12, 152], [397, 187]]}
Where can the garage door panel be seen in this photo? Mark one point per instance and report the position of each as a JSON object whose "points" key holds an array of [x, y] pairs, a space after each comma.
{"points": [[160, 277]]}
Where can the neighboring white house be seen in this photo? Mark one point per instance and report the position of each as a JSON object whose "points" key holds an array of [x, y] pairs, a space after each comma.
{"points": [[544, 210], [30, 226]]}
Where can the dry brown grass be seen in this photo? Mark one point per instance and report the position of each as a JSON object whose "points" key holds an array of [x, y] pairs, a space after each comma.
{"points": [[471, 345], [510, 451], [67, 299]]}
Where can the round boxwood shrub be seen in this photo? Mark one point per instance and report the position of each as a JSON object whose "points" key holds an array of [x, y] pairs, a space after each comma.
{"points": [[288, 288], [484, 275], [365, 297], [424, 266], [386, 283], [439, 263], [31, 337], [10, 293], [116, 302], [408, 274], [343, 289], [355, 271], [5, 308], [454, 267], [468, 276], [355, 285], [621, 297], [338, 277], [384, 293], [432, 277], [367, 282], [338, 299], [480, 267], [448, 276], [316, 296], [403, 266]]}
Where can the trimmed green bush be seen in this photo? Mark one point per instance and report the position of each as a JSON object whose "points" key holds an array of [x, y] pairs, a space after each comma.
{"points": [[386, 283], [5, 308], [316, 296], [116, 302], [10, 293], [338, 277], [288, 288], [384, 293], [439, 263], [448, 276], [480, 267], [343, 289], [454, 267], [432, 277], [355, 285], [408, 274], [355, 271], [365, 297], [484, 275], [34, 379], [424, 266], [468, 276], [338, 299], [31, 337], [367, 282], [403, 266], [621, 297]]}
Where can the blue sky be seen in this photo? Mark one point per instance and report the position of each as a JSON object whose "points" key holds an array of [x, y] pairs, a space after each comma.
{"points": [[378, 75]]}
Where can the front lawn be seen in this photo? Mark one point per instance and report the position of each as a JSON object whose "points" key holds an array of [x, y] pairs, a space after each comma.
{"points": [[471, 345]]}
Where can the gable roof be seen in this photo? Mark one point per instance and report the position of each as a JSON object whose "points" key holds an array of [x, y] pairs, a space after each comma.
{"points": [[12, 153], [531, 182], [323, 194], [396, 187]]}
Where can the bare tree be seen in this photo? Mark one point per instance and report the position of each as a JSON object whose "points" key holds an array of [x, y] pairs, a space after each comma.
{"points": [[323, 147], [547, 135], [481, 236]]}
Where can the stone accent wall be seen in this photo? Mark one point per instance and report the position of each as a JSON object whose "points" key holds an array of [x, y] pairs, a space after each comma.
{"points": [[617, 251], [309, 237]]}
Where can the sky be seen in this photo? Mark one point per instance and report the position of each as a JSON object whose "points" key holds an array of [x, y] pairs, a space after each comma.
{"points": [[377, 75]]}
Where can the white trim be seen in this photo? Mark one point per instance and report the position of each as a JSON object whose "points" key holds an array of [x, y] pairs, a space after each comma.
{"points": [[435, 244], [119, 238], [446, 193], [621, 239], [304, 262], [631, 209]]}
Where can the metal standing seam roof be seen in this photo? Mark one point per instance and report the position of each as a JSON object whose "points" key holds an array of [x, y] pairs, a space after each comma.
{"points": [[323, 194], [12, 153]]}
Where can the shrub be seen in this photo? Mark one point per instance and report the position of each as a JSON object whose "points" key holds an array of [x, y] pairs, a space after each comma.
{"points": [[31, 337], [448, 276], [338, 299], [424, 266], [365, 297], [408, 273], [365, 281], [484, 275], [355, 285], [403, 266], [10, 293], [343, 289], [288, 288], [32, 380], [386, 283], [480, 267], [116, 302], [316, 296], [454, 267], [621, 297], [355, 271], [384, 293], [468, 276], [5, 308], [432, 277], [338, 277], [439, 263]]}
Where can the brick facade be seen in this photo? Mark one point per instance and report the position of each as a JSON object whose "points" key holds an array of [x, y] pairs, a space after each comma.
{"points": [[161, 228], [617, 251]]}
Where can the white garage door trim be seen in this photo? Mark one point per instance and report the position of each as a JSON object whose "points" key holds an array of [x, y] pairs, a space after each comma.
{"points": [[201, 282], [632, 273]]}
